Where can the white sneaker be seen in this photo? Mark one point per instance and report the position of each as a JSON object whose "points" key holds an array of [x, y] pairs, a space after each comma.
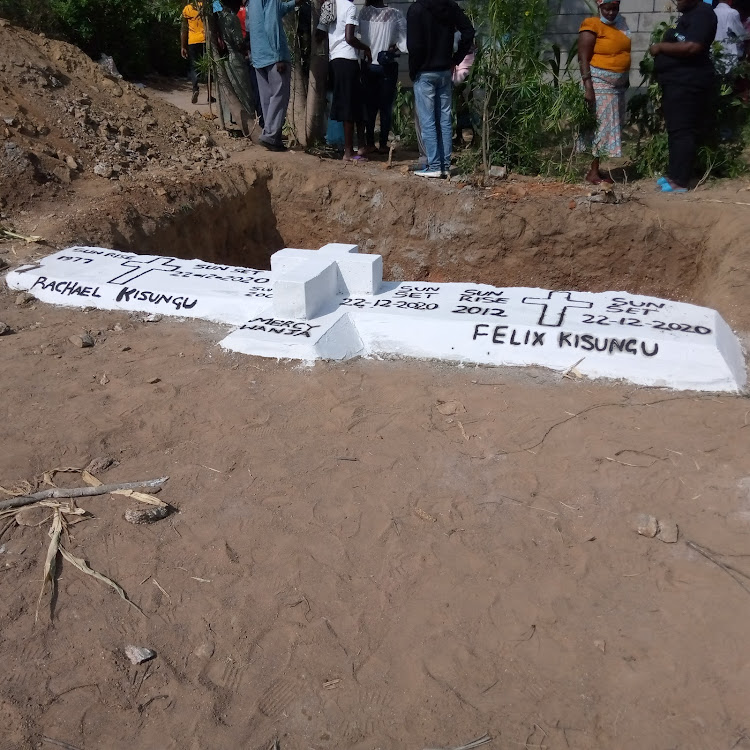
{"points": [[433, 173]]}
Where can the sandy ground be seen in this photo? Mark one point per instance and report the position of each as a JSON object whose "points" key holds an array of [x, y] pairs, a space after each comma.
{"points": [[372, 555]]}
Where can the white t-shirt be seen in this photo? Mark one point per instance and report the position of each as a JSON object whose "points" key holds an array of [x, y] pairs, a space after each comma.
{"points": [[379, 28], [730, 32], [338, 47]]}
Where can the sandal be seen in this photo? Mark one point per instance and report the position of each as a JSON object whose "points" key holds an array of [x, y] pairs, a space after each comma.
{"points": [[667, 187], [358, 158]]}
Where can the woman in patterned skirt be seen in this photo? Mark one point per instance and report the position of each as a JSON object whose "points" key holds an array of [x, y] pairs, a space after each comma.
{"points": [[604, 61]]}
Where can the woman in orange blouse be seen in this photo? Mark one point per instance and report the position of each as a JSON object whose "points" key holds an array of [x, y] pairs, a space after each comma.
{"points": [[604, 61]]}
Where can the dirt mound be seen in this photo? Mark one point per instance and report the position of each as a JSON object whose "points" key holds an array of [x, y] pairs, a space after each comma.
{"points": [[63, 116]]}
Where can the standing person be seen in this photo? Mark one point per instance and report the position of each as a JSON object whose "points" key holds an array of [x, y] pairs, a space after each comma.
{"points": [[430, 26], [272, 62], [383, 30], [348, 101], [730, 33], [683, 68], [604, 62], [242, 18], [193, 41]]}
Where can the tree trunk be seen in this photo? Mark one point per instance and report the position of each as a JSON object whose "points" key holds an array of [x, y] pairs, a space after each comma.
{"points": [[316, 85]]}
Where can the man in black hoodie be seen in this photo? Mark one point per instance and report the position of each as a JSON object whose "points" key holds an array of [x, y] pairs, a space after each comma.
{"points": [[430, 29]]}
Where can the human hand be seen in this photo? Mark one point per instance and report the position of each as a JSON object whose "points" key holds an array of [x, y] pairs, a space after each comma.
{"points": [[184, 53], [655, 49], [368, 55], [281, 67], [588, 93]]}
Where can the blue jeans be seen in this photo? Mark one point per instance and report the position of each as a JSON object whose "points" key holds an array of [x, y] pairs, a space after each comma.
{"points": [[432, 95]]}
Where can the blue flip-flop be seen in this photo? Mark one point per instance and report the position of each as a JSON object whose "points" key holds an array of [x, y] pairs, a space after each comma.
{"points": [[667, 188], [661, 181]]}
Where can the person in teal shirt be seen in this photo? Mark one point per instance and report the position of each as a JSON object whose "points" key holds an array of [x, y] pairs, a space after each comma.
{"points": [[271, 59]]}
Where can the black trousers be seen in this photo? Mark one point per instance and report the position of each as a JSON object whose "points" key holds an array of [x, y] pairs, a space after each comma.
{"points": [[195, 52], [687, 115], [380, 83]]}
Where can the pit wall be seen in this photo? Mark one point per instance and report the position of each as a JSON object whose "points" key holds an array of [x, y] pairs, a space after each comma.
{"points": [[648, 245]]}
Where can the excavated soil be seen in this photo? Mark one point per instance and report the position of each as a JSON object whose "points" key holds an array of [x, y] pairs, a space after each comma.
{"points": [[371, 554]]}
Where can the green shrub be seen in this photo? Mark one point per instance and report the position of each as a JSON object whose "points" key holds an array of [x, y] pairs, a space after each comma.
{"points": [[527, 103], [720, 154]]}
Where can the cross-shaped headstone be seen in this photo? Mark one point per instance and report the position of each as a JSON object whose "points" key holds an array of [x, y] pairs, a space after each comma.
{"points": [[554, 306], [307, 283]]}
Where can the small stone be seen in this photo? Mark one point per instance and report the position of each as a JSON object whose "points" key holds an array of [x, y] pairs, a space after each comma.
{"points": [[71, 162], [138, 654], [646, 525], [125, 349], [103, 169], [668, 532], [4, 329], [205, 650], [101, 464], [104, 379], [601, 645], [499, 173], [34, 515], [24, 298], [83, 341], [146, 515], [62, 173], [154, 381], [152, 318]]}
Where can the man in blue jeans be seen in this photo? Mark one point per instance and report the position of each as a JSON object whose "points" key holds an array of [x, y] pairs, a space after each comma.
{"points": [[430, 29]]}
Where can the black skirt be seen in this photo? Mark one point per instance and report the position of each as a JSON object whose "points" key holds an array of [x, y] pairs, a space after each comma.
{"points": [[348, 101]]}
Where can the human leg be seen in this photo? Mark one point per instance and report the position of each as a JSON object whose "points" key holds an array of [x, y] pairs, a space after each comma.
{"points": [[346, 106], [444, 113], [274, 113], [422, 162], [682, 115], [256, 95], [425, 100], [387, 97], [264, 89], [195, 52], [372, 77]]}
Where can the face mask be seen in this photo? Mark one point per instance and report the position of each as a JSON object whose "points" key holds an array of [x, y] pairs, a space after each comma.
{"points": [[609, 23]]}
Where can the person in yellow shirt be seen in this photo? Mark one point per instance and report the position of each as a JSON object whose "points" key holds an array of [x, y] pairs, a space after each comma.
{"points": [[193, 40], [604, 62]]}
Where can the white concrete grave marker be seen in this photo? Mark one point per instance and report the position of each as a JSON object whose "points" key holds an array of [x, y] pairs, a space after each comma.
{"points": [[332, 303]]}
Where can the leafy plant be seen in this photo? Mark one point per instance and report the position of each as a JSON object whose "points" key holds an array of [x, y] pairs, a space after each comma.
{"points": [[526, 101], [403, 117]]}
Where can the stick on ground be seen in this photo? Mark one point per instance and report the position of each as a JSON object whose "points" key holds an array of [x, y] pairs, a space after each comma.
{"points": [[57, 492]]}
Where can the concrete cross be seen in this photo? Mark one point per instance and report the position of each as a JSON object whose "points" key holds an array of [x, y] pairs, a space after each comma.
{"points": [[554, 307], [308, 283]]}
